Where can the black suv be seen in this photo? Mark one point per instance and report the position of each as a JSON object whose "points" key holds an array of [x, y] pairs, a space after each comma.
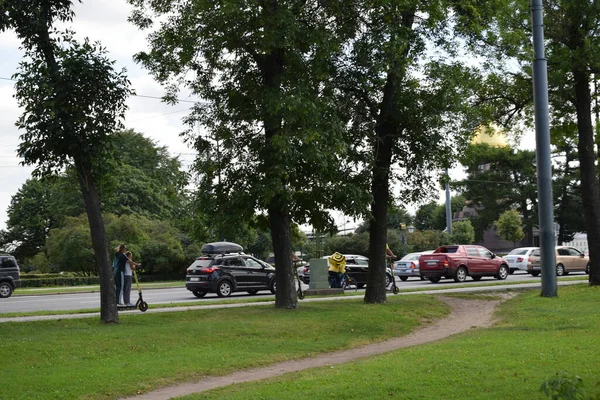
{"points": [[10, 275], [224, 268]]}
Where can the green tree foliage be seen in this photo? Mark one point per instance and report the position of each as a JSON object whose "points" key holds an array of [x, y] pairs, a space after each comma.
{"points": [[138, 178], [427, 240], [72, 99], [160, 247], [499, 178], [410, 108], [509, 226], [462, 232], [572, 51], [433, 216], [274, 134]]}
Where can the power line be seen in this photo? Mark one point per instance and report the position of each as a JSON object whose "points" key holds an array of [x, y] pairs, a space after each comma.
{"points": [[135, 95]]}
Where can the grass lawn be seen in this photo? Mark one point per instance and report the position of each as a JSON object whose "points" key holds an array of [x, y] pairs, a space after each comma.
{"points": [[74, 359], [535, 339]]}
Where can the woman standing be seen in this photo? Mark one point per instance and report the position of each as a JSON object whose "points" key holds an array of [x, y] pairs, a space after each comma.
{"points": [[129, 266], [119, 263]]}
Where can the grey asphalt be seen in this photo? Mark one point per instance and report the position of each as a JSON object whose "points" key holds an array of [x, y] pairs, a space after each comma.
{"points": [[536, 285]]}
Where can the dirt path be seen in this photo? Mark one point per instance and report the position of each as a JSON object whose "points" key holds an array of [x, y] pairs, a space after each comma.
{"points": [[465, 315]]}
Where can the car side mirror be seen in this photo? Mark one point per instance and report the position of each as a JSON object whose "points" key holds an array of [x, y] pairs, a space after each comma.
{"points": [[493, 255]]}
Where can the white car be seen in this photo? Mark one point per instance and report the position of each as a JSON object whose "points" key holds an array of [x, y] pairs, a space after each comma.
{"points": [[518, 259]]}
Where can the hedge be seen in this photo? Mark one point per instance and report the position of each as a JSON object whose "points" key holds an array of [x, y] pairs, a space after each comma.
{"points": [[60, 280]]}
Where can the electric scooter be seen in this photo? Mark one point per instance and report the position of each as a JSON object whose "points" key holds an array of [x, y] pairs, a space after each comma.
{"points": [[140, 303]]}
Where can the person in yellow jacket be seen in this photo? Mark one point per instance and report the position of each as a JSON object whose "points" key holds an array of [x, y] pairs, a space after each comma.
{"points": [[337, 269]]}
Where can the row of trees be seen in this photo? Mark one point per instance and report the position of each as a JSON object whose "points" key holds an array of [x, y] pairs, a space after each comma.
{"points": [[306, 104]]}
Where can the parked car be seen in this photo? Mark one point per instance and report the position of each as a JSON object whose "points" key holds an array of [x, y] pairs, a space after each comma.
{"points": [[460, 261], [568, 259], [357, 267], [408, 266], [518, 259], [224, 268], [10, 275]]}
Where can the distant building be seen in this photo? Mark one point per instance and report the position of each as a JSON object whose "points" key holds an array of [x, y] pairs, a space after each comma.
{"points": [[579, 242]]}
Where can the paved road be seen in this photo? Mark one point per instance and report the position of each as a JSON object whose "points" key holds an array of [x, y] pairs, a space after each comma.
{"points": [[78, 301]]}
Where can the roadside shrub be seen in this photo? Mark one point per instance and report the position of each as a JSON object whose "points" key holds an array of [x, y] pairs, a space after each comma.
{"points": [[564, 386]]}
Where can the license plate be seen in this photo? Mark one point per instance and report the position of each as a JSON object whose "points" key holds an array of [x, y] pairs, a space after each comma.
{"points": [[194, 279], [431, 262]]}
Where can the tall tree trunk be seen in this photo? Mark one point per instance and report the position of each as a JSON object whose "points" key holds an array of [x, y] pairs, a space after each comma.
{"points": [[108, 302], [376, 290], [590, 187], [387, 131], [282, 247]]}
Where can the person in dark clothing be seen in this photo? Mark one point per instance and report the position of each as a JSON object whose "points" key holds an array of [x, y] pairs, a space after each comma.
{"points": [[119, 269]]}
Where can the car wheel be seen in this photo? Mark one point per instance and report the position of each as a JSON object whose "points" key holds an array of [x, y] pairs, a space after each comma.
{"points": [[535, 273], [252, 292], [511, 271], [460, 275], [404, 278], [199, 293], [587, 268], [273, 286], [560, 270], [502, 272], [224, 289], [476, 277], [435, 279], [5, 290], [360, 285]]}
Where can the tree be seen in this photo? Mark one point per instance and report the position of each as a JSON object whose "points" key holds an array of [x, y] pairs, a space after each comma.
{"points": [[410, 109], [72, 100], [273, 139], [572, 49], [462, 232], [147, 182], [510, 227], [499, 178], [161, 247]]}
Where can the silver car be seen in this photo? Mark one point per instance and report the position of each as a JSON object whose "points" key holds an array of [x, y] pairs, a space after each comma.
{"points": [[518, 259], [408, 266]]}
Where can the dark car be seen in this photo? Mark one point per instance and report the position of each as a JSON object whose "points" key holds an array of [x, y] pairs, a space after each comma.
{"points": [[10, 275], [224, 268], [357, 267]]}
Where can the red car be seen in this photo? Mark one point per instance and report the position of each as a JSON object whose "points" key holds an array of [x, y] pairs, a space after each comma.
{"points": [[460, 261]]}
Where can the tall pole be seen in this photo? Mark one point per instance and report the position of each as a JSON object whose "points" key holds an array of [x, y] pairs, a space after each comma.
{"points": [[448, 205], [543, 161]]}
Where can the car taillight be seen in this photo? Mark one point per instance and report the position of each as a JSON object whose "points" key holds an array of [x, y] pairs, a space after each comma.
{"points": [[412, 265], [305, 269], [520, 259], [208, 270], [188, 271], [446, 263]]}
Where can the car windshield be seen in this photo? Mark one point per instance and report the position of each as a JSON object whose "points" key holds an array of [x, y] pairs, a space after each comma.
{"points": [[411, 257], [518, 252]]}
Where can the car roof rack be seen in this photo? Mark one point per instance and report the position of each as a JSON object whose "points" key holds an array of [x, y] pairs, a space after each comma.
{"points": [[221, 248]]}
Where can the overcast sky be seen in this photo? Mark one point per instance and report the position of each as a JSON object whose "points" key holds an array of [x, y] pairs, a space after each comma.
{"points": [[105, 21]]}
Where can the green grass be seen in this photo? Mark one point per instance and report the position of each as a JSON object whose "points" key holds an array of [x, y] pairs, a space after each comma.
{"points": [[535, 339], [73, 359]]}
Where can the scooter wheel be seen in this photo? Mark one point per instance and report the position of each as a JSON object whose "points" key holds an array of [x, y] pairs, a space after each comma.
{"points": [[143, 306], [396, 290], [300, 295]]}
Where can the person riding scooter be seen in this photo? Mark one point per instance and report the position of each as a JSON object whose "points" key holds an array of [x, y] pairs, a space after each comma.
{"points": [[337, 270]]}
